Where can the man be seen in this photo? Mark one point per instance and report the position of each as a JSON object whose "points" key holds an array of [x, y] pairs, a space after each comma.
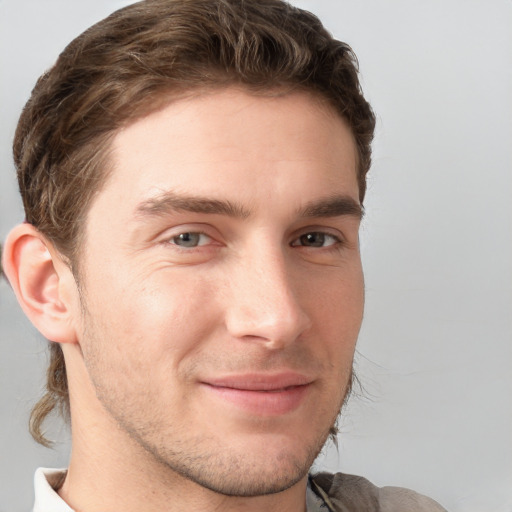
{"points": [[193, 174]]}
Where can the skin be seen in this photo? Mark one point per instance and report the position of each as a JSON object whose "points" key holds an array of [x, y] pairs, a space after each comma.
{"points": [[178, 311]]}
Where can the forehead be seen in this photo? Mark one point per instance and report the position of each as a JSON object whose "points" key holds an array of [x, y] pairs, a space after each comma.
{"points": [[233, 143]]}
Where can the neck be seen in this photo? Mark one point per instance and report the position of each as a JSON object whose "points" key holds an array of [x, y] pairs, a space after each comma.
{"points": [[100, 479], [110, 471]]}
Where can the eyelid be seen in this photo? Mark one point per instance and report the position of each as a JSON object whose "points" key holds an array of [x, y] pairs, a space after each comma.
{"points": [[172, 240], [325, 230], [169, 234], [336, 241]]}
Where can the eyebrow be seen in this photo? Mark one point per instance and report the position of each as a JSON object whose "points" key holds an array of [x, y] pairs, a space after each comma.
{"points": [[170, 202], [167, 202], [334, 206]]}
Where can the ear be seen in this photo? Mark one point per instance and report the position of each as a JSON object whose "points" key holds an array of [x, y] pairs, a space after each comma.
{"points": [[43, 283]]}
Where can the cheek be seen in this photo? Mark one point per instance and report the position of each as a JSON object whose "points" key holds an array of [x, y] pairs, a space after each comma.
{"points": [[338, 299], [149, 315], [337, 308]]}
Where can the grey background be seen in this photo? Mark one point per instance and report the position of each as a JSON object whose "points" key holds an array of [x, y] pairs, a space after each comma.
{"points": [[435, 350]]}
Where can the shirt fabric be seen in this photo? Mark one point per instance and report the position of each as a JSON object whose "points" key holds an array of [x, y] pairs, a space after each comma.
{"points": [[46, 499], [326, 492]]}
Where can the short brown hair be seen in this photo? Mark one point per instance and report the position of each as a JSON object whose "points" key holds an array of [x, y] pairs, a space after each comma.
{"points": [[132, 63]]}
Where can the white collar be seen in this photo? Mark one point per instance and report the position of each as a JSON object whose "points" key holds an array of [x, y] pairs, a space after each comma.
{"points": [[46, 499]]}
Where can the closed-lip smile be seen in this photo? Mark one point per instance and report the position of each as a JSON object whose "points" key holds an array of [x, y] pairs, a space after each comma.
{"points": [[261, 394]]}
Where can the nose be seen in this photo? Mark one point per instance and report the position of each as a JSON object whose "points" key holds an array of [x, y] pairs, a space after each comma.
{"points": [[263, 303]]}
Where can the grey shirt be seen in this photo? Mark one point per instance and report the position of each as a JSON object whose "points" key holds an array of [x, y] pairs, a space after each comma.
{"points": [[349, 493], [325, 493]]}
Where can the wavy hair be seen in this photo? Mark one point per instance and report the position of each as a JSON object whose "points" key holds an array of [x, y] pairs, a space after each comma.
{"points": [[133, 63]]}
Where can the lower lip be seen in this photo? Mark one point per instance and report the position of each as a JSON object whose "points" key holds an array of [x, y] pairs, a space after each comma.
{"points": [[263, 403]]}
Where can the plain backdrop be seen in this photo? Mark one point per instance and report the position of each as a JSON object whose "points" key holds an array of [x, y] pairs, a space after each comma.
{"points": [[435, 351]]}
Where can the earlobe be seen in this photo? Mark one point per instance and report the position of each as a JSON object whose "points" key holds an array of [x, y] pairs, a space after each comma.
{"points": [[43, 284]]}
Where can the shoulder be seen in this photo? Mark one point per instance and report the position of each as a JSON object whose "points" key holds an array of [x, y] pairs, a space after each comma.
{"points": [[344, 493]]}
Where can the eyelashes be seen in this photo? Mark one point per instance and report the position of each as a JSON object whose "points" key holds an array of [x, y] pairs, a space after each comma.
{"points": [[316, 239], [311, 239], [196, 244], [190, 239]]}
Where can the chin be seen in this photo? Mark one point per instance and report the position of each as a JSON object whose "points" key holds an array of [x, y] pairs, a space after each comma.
{"points": [[243, 477], [255, 466]]}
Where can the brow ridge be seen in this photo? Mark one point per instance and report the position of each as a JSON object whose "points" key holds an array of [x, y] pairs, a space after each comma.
{"points": [[332, 206], [171, 202]]}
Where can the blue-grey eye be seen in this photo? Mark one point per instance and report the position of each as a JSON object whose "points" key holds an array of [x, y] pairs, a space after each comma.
{"points": [[189, 239], [315, 239]]}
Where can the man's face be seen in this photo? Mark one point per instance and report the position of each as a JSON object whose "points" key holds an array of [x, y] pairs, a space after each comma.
{"points": [[222, 286]]}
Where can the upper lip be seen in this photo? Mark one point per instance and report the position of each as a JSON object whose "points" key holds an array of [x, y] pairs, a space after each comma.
{"points": [[259, 381]]}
